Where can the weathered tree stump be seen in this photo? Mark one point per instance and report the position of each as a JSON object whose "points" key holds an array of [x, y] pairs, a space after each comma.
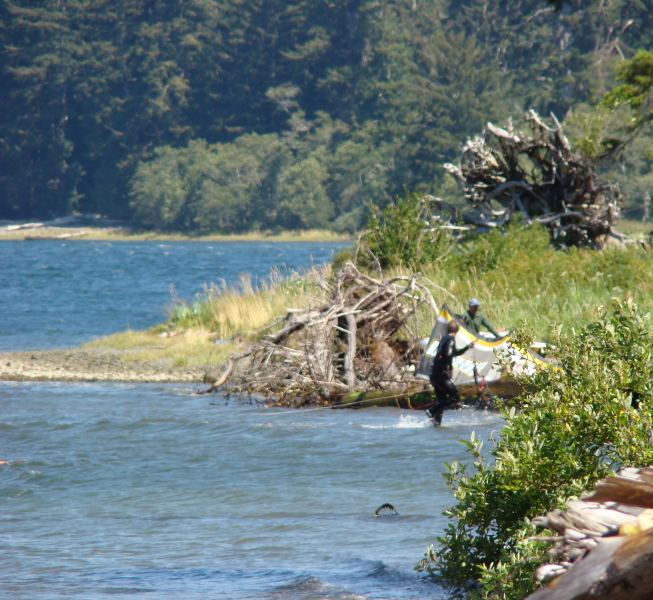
{"points": [[534, 173]]}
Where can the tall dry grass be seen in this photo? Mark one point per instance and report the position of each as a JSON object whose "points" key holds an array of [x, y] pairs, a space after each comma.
{"points": [[245, 308]]}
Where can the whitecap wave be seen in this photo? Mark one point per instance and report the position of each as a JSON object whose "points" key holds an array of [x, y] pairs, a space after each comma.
{"points": [[405, 422], [471, 417]]}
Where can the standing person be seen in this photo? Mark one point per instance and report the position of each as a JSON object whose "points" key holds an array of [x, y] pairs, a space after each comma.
{"points": [[474, 320], [446, 393]]}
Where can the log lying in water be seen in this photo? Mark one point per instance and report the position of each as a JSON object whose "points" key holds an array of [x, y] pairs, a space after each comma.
{"points": [[533, 172], [420, 396], [605, 546]]}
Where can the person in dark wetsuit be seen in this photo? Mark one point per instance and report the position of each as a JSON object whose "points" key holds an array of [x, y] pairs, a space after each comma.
{"points": [[446, 393]]}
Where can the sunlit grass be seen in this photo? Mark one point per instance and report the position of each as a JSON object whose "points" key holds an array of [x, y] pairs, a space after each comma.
{"points": [[189, 348], [221, 321], [242, 310], [635, 228], [546, 288]]}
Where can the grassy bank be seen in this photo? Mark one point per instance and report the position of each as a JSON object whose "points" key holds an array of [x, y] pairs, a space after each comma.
{"points": [[204, 333], [521, 279], [518, 277]]}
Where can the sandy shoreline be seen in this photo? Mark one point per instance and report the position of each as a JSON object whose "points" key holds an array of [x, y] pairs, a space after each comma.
{"points": [[123, 233], [89, 365]]}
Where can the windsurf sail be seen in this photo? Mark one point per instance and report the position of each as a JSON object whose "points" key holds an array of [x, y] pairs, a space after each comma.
{"points": [[480, 362]]}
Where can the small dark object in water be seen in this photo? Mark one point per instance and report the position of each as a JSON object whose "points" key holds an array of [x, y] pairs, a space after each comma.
{"points": [[384, 509]]}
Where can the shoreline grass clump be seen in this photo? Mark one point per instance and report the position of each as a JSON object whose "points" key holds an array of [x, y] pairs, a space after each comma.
{"points": [[579, 423], [205, 332], [245, 308]]}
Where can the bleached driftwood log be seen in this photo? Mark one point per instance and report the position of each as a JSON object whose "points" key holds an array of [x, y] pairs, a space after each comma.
{"points": [[604, 547], [363, 336], [534, 172]]}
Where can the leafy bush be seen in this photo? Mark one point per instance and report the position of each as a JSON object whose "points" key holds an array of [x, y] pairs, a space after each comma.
{"points": [[404, 234], [500, 246], [576, 425]]}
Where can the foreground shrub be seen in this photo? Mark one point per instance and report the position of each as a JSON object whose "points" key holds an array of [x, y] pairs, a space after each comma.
{"points": [[578, 424]]}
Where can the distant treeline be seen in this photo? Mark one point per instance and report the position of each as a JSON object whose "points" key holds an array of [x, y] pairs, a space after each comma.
{"points": [[225, 115]]}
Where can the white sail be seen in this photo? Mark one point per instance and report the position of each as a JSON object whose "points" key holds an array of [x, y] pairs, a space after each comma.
{"points": [[480, 363]]}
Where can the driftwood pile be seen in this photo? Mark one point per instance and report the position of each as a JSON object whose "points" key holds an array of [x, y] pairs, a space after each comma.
{"points": [[604, 547], [363, 336], [533, 172]]}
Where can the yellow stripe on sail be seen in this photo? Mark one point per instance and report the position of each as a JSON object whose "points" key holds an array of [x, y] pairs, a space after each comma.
{"points": [[480, 341]]}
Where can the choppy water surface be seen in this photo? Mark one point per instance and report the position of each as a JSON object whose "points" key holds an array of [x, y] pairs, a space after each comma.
{"points": [[135, 490], [56, 293], [130, 491]]}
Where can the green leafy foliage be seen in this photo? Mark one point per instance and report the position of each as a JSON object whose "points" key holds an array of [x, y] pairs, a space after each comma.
{"points": [[204, 187], [499, 247], [303, 201], [379, 94], [636, 82], [576, 425], [403, 235], [620, 126]]}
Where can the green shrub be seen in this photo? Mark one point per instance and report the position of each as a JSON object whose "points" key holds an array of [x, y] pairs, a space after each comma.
{"points": [[575, 426], [498, 247], [404, 234]]}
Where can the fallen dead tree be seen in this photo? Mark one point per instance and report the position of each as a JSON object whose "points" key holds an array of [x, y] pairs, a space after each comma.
{"points": [[604, 543], [363, 336], [534, 172]]}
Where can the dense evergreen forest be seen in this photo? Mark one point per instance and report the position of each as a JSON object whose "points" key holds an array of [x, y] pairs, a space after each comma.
{"points": [[230, 115]]}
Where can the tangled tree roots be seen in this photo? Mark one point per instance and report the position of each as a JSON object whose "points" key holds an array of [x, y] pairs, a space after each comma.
{"points": [[363, 336], [536, 174]]}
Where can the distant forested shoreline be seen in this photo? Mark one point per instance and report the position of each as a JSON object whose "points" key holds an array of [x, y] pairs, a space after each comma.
{"points": [[215, 115]]}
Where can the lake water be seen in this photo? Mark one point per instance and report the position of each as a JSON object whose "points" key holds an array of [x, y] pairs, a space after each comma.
{"points": [[131, 491], [55, 293]]}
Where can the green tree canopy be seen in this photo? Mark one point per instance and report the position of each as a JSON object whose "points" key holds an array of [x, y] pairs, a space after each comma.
{"points": [[384, 92]]}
